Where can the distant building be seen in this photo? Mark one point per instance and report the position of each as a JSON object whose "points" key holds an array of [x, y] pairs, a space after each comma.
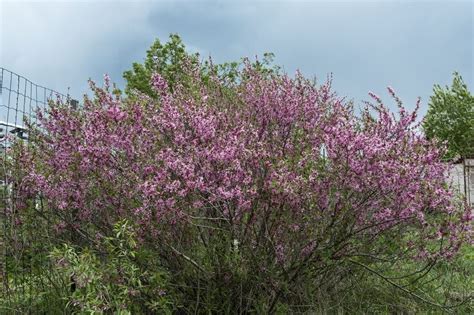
{"points": [[12, 130], [462, 177]]}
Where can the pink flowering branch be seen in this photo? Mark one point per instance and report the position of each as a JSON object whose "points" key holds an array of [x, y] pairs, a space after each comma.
{"points": [[282, 167]]}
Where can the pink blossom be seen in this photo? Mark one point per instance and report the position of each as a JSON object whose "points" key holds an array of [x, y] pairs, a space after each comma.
{"points": [[282, 149]]}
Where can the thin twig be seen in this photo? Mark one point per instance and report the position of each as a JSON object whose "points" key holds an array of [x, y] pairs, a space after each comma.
{"points": [[194, 263]]}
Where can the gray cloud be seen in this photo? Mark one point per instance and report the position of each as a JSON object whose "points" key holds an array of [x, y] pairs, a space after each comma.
{"points": [[368, 45]]}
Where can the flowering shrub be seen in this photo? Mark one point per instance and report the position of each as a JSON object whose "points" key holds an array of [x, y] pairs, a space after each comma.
{"points": [[250, 190]]}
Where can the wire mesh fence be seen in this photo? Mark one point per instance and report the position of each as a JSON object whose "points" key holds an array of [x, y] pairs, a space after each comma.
{"points": [[23, 240]]}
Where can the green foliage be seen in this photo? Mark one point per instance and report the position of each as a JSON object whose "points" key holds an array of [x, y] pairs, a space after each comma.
{"points": [[450, 118], [167, 59], [449, 284], [38, 292], [171, 58], [112, 280]]}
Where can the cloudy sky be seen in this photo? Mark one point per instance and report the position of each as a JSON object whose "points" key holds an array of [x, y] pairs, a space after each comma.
{"points": [[367, 45]]}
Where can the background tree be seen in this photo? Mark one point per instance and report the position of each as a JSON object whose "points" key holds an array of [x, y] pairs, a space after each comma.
{"points": [[166, 59], [170, 59], [450, 118]]}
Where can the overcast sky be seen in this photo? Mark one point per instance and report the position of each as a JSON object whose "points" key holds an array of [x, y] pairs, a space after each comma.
{"points": [[367, 45]]}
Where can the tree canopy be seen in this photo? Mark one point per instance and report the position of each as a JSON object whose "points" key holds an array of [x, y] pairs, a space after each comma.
{"points": [[170, 60], [450, 118], [166, 59]]}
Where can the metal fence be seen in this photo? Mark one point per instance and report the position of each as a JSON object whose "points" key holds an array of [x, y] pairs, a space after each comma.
{"points": [[21, 243]]}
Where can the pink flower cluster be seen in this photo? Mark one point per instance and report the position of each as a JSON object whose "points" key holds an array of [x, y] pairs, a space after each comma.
{"points": [[274, 155]]}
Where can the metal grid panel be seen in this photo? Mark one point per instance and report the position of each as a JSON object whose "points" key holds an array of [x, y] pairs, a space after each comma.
{"points": [[21, 243]]}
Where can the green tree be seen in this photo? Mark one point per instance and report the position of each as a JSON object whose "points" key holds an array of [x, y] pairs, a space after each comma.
{"points": [[169, 60], [450, 117]]}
